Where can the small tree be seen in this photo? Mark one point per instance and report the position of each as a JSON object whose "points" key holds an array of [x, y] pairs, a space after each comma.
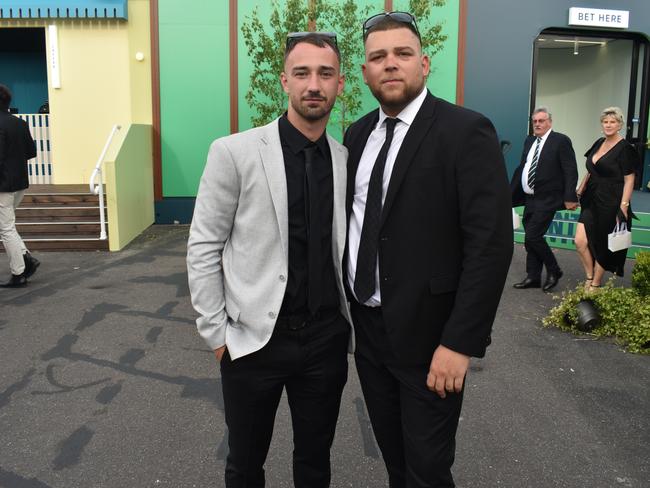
{"points": [[345, 17]]}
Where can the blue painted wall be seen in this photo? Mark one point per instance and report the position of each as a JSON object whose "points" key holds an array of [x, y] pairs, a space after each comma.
{"points": [[23, 67], [26, 76]]}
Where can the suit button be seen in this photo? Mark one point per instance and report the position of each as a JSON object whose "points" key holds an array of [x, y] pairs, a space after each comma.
{"points": [[283, 278], [386, 278], [383, 238], [271, 315]]}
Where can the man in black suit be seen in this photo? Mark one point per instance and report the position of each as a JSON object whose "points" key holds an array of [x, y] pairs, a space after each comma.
{"points": [[544, 182], [429, 245], [16, 147]]}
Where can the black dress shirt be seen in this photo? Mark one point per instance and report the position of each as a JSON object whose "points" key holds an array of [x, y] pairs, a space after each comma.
{"points": [[293, 143]]}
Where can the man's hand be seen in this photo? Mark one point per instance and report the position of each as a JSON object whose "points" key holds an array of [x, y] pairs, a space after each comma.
{"points": [[447, 371], [570, 205], [219, 353]]}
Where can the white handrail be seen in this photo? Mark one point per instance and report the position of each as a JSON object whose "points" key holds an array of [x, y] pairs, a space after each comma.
{"points": [[99, 189]]}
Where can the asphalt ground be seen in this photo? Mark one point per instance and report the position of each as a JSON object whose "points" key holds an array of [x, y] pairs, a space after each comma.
{"points": [[104, 382]]}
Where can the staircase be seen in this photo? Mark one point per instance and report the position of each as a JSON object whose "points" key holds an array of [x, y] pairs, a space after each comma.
{"points": [[60, 218]]}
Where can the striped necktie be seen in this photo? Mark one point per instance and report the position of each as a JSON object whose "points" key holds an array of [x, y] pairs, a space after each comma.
{"points": [[533, 165]]}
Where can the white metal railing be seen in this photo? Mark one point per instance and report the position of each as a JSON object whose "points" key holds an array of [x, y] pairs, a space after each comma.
{"points": [[98, 189], [40, 167]]}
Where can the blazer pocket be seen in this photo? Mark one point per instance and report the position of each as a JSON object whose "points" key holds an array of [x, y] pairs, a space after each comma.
{"points": [[443, 284]]}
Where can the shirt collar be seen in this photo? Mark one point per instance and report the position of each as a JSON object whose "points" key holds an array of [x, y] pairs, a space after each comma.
{"points": [[545, 136], [296, 140], [407, 115]]}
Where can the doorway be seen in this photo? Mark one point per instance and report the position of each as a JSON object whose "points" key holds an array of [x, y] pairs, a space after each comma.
{"points": [[23, 68], [578, 73]]}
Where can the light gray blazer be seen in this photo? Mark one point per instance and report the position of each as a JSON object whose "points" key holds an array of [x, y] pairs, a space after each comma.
{"points": [[238, 249]]}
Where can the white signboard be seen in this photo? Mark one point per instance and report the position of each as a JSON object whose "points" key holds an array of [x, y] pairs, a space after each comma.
{"points": [[54, 57], [596, 17]]}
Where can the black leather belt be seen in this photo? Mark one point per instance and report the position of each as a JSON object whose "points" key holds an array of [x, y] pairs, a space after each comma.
{"points": [[302, 320]]}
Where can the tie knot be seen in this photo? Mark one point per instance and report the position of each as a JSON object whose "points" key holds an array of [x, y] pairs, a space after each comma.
{"points": [[539, 139], [391, 122], [310, 151]]}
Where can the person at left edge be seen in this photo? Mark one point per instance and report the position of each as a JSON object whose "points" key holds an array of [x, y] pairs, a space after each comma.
{"points": [[16, 148], [264, 266]]}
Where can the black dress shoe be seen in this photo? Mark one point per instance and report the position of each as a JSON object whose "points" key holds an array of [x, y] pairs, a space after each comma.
{"points": [[527, 283], [31, 264], [552, 279], [16, 281]]}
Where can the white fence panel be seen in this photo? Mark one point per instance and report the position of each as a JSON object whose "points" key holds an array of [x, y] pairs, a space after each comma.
{"points": [[40, 167]]}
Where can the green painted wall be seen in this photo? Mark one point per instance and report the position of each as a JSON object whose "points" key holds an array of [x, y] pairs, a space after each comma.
{"points": [[194, 88]]}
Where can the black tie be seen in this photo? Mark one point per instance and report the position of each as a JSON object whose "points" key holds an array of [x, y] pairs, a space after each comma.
{"points": [[533, 165], [364, 280], [313, 230]]}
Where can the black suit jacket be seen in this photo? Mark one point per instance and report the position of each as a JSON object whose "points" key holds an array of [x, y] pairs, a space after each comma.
{"points": [[16, 147], [557, 174], [446, 237]]}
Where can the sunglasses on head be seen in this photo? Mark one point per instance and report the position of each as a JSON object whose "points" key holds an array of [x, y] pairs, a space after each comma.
{"points": [[402, 17], [296, 36]]}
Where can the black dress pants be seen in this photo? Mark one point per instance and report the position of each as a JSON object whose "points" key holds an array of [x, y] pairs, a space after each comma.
{"points": [[311, 363], [415, 428], [538, 253]]}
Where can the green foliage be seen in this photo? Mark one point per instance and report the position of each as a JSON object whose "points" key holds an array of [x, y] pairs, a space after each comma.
{"points": [[348, 19], [432, 36], [641, 273], [265, 41], [624, 312], [266, 51]]}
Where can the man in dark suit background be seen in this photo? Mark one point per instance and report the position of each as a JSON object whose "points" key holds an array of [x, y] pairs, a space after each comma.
{"points": [[16, 148], [429, 245], [544, 182]]}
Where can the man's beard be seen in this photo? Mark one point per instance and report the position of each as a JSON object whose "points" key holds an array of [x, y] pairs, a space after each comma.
{"points": [[395, 101], [313, 113]]}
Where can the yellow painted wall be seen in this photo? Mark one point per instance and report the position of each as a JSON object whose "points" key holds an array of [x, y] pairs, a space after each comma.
{"points": [[128, 171], [102, 84]]}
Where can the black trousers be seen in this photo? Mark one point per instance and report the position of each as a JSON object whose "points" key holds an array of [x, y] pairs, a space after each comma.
{"points": [[415, 428], [311, 363], [538, 253]]}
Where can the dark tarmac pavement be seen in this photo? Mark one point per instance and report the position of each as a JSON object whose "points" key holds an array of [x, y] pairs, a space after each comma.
{"points": [[104, 382]]}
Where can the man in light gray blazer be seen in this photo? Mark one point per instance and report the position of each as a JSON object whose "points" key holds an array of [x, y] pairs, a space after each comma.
{"points": [[264, 267]]}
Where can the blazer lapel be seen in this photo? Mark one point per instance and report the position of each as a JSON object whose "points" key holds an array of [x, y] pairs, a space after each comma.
{"points": [[339, 220], [548, 148], [421, 125], [270, 150]]}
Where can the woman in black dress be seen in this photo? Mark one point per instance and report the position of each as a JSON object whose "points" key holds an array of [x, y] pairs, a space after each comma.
{"points": [[605, 194]]}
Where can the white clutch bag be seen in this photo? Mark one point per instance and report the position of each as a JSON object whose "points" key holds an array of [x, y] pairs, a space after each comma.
{"points": [[620, 238]]}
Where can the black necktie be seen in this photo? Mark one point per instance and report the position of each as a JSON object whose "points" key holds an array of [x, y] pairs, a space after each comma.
{"points": [[533, 165], [364, 280], [312, 208]]}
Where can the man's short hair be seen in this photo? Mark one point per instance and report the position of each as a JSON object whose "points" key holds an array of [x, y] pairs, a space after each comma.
{"points": [[5, 98], [542, 110], [387, 23], [315, 38]]}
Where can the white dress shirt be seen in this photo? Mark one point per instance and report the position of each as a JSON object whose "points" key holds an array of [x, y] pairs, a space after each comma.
{"points": [[367, 162], [529, 159]]}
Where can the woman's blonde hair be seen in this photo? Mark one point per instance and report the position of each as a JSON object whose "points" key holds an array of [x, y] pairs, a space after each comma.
{"points": [[615, 112]]}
